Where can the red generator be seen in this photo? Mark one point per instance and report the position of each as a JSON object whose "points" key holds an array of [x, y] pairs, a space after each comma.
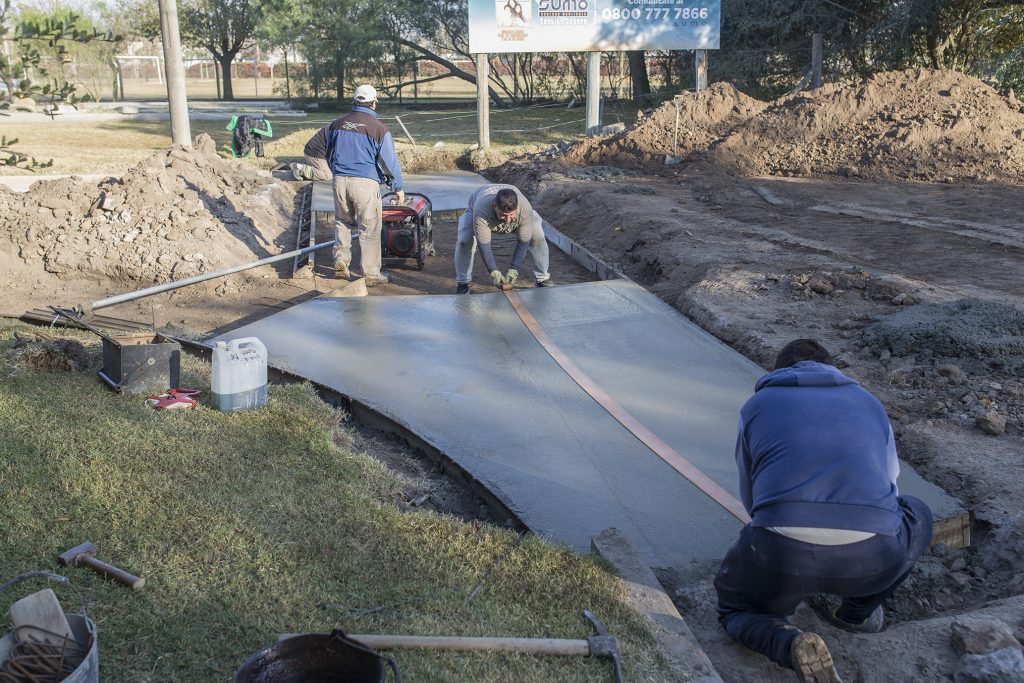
{"points": [[407, 233]]}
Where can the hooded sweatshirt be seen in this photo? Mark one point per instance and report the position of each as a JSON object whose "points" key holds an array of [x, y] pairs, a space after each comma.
{"points": [[815, 449]]}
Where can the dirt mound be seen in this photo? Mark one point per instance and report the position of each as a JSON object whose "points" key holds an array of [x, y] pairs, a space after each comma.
{"points": [[703, 118], [988, 333], [916, 124], [939, 126], [179, 213]]}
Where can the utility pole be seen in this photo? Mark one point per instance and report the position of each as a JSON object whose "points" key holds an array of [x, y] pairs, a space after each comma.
{"points": [[700, 64], [177, 101], [483, 101], [593, 116]]}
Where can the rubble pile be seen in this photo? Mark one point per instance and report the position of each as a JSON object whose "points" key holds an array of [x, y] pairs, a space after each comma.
{"points": [[179, 213]]}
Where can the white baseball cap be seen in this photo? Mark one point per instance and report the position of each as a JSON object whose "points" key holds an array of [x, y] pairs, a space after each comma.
{"points": [[366, 93]]}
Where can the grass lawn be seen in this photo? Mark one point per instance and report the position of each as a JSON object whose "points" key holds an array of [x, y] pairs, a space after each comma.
{"points": [[113, 146], [252, 524]]}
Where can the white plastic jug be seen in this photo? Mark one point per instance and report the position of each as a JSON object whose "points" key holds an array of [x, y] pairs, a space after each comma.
{"points": [[239, 376]]}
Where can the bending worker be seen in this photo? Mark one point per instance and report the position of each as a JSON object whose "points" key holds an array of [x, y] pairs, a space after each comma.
{"points": [[314, 164], [817, 465], [503, 210], [362, 155]]}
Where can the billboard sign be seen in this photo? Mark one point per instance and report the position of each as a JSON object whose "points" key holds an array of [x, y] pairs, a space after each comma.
{"points": [[593, 25]]}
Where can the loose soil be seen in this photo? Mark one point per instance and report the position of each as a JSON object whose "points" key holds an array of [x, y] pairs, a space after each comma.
{"points": [[881, 217]]}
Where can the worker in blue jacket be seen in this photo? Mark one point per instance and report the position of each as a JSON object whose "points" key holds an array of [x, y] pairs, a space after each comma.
{"points": [[817, 467], [362, 156]]}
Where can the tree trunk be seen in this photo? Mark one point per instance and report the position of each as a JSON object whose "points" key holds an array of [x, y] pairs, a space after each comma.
{"points": [[117, 87], [638, 76], [287, 79], [225, 73], [398, 68], [452, 68], [339, 75]]}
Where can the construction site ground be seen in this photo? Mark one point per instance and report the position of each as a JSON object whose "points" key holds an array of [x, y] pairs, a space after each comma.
{"points": [[882, 218]]}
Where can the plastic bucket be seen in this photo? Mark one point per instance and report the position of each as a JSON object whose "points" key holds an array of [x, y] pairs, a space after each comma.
{"points": [[82, 628], [238, 376], [314, 658]]}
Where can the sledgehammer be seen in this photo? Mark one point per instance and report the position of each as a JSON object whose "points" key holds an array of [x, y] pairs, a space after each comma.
{"points": [[83, 554], [603, 644]]}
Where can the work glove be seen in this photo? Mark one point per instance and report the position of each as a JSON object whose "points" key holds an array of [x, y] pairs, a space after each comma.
{"points": [[497, 278], [400, 197], [511, 276]]}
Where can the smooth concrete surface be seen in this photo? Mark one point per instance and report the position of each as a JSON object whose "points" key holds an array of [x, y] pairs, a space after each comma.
{"points": [[448, 191], [465, 374]]}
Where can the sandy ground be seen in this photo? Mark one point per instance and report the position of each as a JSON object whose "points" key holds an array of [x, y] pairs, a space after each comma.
{"points": [[915, 286]]}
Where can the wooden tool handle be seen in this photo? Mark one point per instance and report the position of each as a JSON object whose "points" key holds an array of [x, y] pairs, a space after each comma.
{"points": [[545, 646], [119, 575]]}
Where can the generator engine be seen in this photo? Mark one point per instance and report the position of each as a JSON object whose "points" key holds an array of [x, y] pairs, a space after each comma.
{"points": [[407, 233]]}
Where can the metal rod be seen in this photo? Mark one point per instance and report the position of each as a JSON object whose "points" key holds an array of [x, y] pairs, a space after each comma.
{"points": [[167, 286], [76, 319]]}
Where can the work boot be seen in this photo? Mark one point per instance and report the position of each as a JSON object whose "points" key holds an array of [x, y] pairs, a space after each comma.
{"points": [[545, 283], [812, 661], [379, 279], [462, 288], [873, 624], [341, 270]]}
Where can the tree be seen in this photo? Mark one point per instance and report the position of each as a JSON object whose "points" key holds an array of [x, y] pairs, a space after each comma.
{"points": [[430, 28], [638, 74], [223, 27], [21, 59], [967, 35], [284, 24], [766, 43], [128, 20]]}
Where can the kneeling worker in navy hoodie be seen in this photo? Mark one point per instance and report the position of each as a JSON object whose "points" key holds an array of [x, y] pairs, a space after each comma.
{"points": [[817, 465]]}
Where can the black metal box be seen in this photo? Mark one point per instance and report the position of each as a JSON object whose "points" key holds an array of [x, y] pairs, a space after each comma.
{"points": [[141, 363]]}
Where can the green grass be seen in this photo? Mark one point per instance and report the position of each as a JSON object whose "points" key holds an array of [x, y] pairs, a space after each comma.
{"points": [[113, 146], [251, 524]]}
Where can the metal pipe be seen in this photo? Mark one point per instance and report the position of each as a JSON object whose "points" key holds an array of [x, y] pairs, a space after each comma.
{"points": [[88, 308]]}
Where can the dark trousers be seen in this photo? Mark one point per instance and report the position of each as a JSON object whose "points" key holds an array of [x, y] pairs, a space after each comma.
{"points": [[765, 576]]}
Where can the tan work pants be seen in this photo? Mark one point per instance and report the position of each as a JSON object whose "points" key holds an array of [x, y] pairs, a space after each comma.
{"points": [[321, 169], [357, 207]]}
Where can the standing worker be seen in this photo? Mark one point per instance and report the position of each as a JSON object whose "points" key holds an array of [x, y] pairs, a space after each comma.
{"points": [[314, 157], [362, 155], [817, 465], [500, 209]]}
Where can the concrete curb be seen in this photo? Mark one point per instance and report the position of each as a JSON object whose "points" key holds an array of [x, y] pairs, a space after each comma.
{"points": [[647, 596]]}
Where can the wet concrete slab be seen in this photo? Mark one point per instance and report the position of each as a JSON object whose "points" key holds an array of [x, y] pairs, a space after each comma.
{"points": [[448, 191], [465, 375]]}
